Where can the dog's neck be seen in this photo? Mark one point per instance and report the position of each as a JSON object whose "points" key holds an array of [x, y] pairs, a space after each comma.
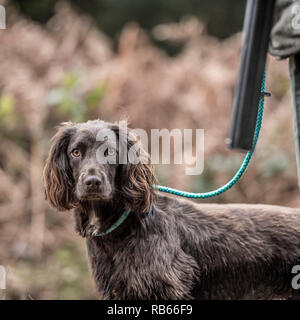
{"points": [[103, 214], [103, 210]]}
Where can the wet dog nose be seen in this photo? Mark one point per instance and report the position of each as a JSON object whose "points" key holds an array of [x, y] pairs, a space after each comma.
{"points": [[92, 182]]}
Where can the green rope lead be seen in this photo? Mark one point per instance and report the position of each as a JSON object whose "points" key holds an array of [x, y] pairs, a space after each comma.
{"points": [[242, 169]]}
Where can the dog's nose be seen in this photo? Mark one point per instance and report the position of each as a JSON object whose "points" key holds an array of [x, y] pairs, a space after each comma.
{"points": [[92, 182]]}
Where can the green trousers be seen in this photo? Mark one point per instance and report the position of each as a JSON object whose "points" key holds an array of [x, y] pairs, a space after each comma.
{"points": [[295, 91]]}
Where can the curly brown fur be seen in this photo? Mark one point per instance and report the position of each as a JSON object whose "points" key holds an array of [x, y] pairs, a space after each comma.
{"points": [[167, 248], [58, 175]]}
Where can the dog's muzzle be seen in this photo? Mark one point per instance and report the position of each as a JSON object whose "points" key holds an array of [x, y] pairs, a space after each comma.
{"points": [[95, 186]]}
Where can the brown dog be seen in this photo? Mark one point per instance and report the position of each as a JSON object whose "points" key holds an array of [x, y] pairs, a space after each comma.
{"points": [[167, 248]]}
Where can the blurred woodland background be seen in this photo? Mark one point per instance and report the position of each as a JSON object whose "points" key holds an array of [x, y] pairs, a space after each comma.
{"points": [[161, 64]]}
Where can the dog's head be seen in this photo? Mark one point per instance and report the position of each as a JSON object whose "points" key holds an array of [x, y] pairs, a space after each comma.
{"points": [[96, 161]]}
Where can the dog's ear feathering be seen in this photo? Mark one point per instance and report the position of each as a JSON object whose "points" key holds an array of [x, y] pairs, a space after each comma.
{"points": [[137, 185], [58, 178]]}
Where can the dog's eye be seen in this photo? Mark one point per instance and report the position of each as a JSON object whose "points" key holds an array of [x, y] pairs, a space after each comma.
{"points": [[76, 153], [110, 152]]}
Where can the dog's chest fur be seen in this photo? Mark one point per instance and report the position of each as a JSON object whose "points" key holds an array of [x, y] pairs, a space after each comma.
{"points": [[143, 264]]}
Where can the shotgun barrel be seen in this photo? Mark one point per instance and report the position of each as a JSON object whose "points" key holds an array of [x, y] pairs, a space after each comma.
{"points": [[256, 33]]}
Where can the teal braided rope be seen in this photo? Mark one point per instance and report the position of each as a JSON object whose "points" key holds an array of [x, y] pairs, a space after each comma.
{"points": [[242, 169]]}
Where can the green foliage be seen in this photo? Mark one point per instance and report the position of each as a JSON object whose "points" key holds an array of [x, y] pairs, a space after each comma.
{"points": [[274, 165], [13, 125], [163, 174], [217, 164], [95, 96], [225, 163], [202, 183], [74, 267], [7, 107], [63, 274], [70, 102], [280, 86]]}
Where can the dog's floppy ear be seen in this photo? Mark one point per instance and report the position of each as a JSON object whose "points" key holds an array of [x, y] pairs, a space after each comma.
{"points": [[58, 178], [137, 179]]}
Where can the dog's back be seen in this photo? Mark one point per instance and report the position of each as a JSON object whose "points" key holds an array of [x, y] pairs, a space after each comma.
{"points": [[243, 251]]}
